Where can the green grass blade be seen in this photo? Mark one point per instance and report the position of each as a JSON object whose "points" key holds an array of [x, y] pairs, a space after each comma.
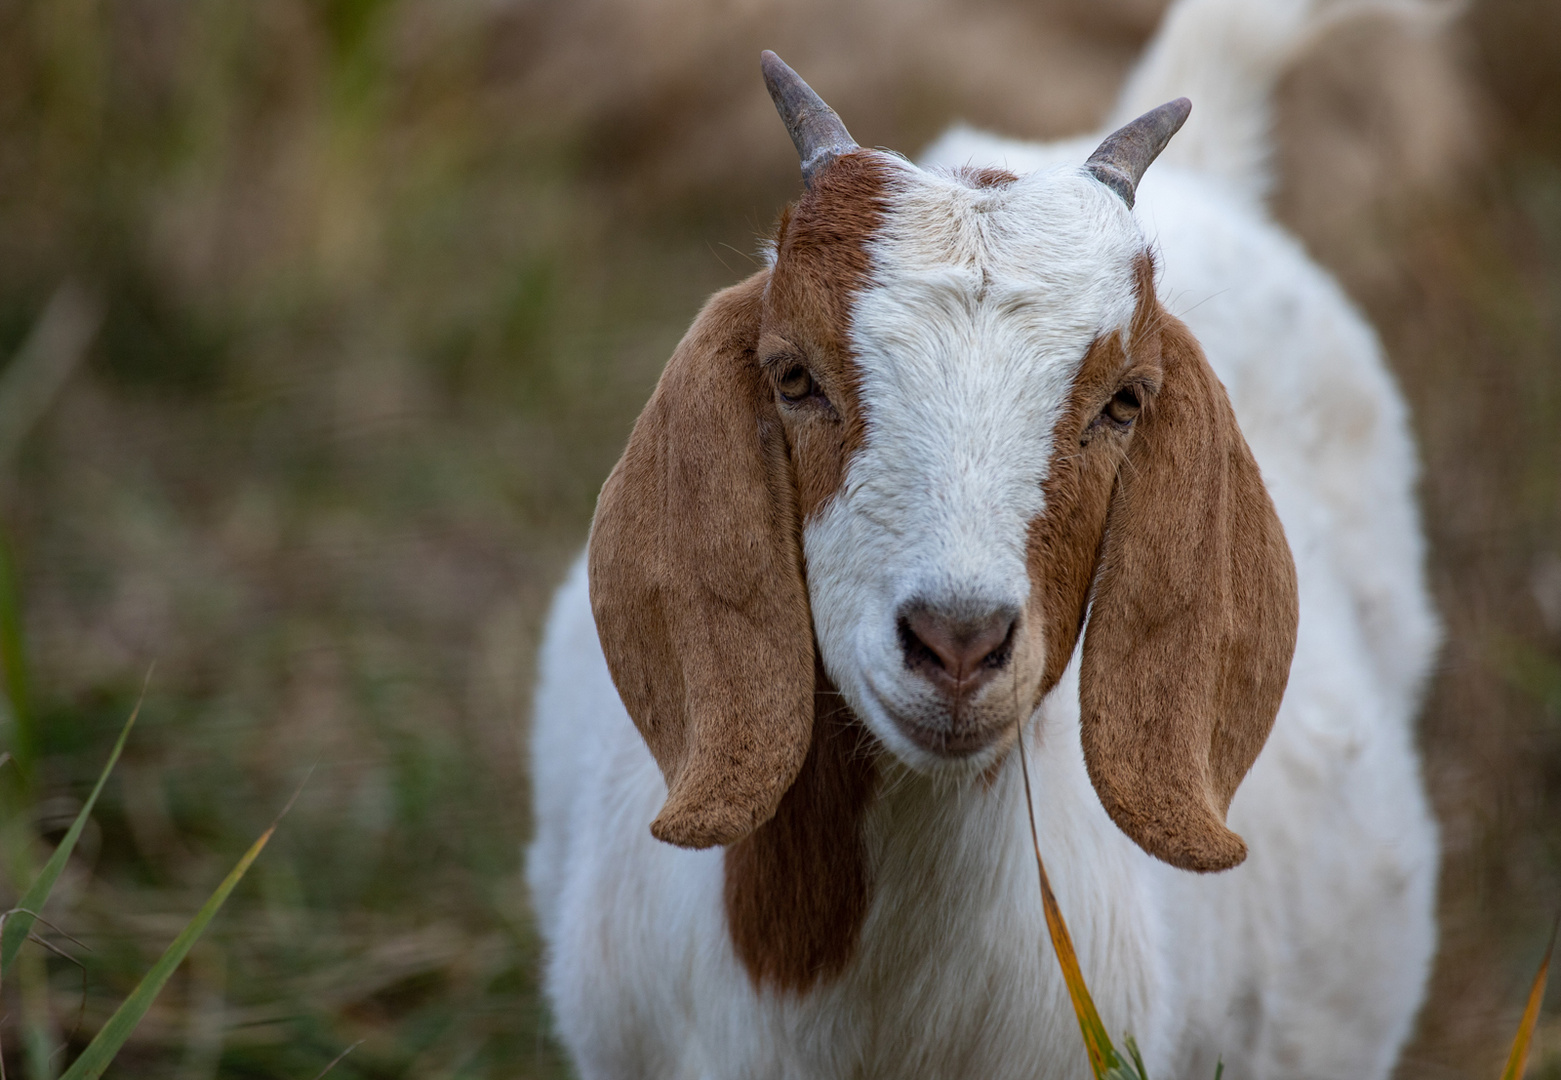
{"points": [[1141, 1073], [1517, 1060], [20, 922], [100, 1052]]}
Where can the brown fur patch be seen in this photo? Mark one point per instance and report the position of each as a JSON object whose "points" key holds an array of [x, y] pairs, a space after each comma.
{"points": [[695, 556], [821, 262], [1193, 612], [988, 177], [798, 888], [1194, 605], [696, 583], [1064, 542]]}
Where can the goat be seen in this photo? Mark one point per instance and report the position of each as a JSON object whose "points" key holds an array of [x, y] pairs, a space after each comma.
{"points": [[949, 469]]}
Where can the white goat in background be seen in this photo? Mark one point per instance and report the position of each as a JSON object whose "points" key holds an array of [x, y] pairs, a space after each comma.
{"points": [[948, 468]]}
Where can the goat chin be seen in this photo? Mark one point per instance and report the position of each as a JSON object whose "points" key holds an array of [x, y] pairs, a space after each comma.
{"points": [[876, 913]]}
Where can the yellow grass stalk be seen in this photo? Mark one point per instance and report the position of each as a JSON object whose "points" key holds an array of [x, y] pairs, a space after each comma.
{"points": [[1517, 1059], [1104, 1061], [1103, 1057]]}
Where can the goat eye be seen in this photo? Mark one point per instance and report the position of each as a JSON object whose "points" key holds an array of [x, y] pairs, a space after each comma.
{"points": [[795, 383], [1123, 408]]}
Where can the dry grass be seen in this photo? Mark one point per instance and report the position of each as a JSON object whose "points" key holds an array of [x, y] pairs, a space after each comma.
{"points": [[379, 287]]}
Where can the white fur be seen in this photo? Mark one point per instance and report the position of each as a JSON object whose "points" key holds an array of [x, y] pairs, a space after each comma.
{"points": [[1310, 959]]}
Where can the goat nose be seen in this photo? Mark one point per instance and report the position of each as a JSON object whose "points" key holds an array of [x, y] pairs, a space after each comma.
{"points": [[957, 653]]}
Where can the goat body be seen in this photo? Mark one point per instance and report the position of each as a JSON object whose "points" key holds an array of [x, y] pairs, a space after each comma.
{"points": [[877, 915]]}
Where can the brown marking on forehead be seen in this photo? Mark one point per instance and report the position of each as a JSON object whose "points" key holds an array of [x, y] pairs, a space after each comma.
{"points": [[988, 177], [821, 262], [798, 888], [1065, 541]]}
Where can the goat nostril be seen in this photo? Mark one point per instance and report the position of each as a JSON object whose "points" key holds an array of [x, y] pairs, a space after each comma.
{"points": [[957, 650]]}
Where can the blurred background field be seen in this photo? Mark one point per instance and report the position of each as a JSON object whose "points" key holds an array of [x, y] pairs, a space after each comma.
{"points": [[322, 321]]}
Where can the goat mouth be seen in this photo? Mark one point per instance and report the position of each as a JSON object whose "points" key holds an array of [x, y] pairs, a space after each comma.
{"points": [[951, 743], [928, 733]]}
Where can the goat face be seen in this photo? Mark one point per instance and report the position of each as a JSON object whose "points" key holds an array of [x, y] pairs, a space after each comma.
{"points": [[949, 415], [930, 410]]}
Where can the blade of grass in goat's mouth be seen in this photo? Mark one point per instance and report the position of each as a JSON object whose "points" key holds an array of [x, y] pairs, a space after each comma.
{"points": [[1103, 1057]]}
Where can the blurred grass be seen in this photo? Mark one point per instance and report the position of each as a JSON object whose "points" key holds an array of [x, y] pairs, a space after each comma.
{"points": [[19, 922], [1471, 315], [335, 440], [383, 283]]}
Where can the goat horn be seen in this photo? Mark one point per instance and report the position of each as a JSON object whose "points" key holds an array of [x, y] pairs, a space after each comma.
{"points": [[814, 127], [1127, 152]]}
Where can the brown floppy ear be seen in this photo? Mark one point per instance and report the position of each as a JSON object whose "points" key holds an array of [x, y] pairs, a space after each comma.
{"points": [[696, 583], [1193, 621]]}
